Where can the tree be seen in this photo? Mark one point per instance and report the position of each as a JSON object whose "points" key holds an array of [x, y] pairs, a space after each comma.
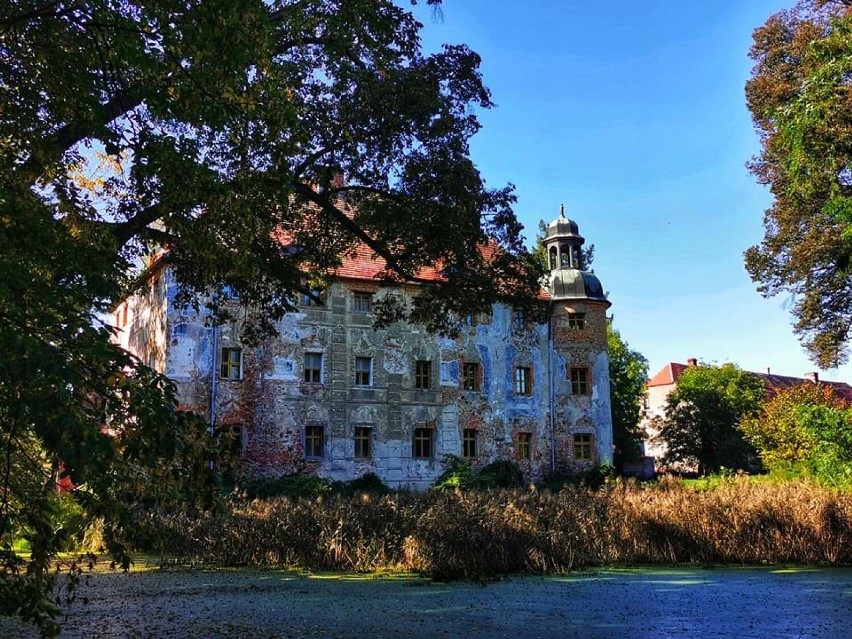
{"points": [[628, 374], [702, 414], [800, 98], [220, 131], [75, 406], [806, 428]]}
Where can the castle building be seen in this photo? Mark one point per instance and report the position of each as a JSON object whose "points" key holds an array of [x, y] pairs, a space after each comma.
{"points": [[330, 395]]}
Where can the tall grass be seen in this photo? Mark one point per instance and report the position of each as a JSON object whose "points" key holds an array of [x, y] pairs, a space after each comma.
{"points": [[450, 535]]}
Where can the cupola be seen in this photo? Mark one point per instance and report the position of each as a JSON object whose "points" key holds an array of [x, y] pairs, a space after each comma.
{"points": [[563, 242], [568, 281]]}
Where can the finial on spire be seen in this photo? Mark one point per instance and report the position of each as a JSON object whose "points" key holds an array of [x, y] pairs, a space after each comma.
{"points": [[562, 210]]}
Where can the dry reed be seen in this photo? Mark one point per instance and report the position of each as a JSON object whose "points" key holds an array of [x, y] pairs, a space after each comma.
{"points": [[483, 534]]}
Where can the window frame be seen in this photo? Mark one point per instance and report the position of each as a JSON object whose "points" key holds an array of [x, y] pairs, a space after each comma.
{"points": [[360, 372], [314, 437], [579, 386], [363, 440], [583, 444], [423, 374], [362, 302], [229, 369], [577, 320], [524, 445], [470, 443], [470, 376], [313, 370], [522, 381], [423, 437]]}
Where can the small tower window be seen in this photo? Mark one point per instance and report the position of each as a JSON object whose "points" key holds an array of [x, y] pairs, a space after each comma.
{"points": [[577, 320], [583, 447], [553, 258], [579, 381], [565, 256], [524, 445]]}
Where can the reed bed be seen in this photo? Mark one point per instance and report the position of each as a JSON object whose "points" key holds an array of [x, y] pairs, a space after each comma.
{"points": [[474, 535]]}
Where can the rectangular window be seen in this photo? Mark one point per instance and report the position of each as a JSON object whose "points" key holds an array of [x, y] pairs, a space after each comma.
{"points": [[363, 302], [313, 368], [519, 319], [363, 371], [363, 442], [469, 441], [524, 445], [314, 299], [232, 359], [577, 320], [313, 441], [422, 443], [523, 380], [579, 381], [423, 374], [470, 376], [583, 447]]}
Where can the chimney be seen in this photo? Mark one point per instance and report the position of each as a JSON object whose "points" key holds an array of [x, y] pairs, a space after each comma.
{"points": [[692, 362], [813, 376]]}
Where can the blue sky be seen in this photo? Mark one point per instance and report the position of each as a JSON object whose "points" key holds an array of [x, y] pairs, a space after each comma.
{"points": [[633, 115]]}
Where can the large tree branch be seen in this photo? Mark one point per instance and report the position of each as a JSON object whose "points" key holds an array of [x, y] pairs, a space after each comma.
{"points": [[346, 222], [74, 132], [126, 231]]}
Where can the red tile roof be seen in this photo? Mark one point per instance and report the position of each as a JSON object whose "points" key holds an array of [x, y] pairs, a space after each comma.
{"points": [[667, 376], [774, 383], [363, 264]]}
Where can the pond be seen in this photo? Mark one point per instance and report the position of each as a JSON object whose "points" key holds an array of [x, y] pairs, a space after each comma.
{"points": [[635, 603]]}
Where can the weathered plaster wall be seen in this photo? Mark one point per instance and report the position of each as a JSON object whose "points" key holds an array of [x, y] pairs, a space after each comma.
{"points": [[273, 405], [141, 319], [581, 414]]}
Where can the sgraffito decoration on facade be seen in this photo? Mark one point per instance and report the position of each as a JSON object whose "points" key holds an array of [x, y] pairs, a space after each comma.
{"points": [[330, 395]]}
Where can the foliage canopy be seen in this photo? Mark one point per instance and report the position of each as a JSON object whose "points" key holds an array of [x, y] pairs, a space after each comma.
{"points": [[805, 429], [800, 98]]}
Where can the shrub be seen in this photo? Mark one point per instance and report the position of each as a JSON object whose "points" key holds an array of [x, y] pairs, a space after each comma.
{"points": [[297, 485], [805, 430], [367, 483], [459, 474]]}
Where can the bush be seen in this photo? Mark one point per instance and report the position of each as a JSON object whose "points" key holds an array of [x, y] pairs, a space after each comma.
{"points": [[502, 474], [594, 477], [294, 486], [369, 483], [460, 475]]}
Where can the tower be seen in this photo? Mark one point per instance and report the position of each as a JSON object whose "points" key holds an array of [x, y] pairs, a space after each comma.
{"points": [[581, 420]]}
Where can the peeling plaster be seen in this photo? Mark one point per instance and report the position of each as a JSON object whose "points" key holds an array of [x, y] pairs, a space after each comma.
{"points": [[273, 404]]}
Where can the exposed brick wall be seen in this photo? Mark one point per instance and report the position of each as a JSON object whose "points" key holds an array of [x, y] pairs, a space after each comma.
{"points": [[275, 405]]}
